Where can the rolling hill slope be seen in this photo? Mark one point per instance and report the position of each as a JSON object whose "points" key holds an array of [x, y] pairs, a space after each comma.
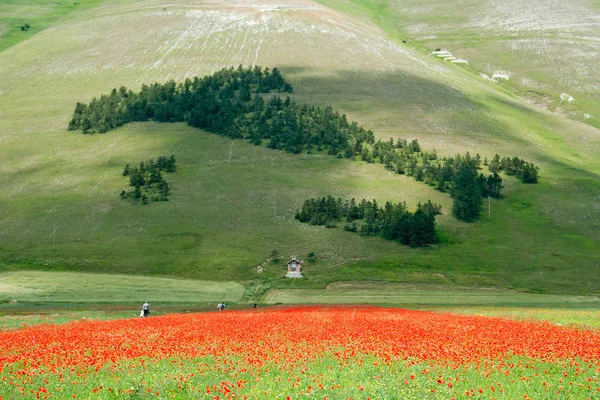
{"points": [[539, 49], [232, 203]]}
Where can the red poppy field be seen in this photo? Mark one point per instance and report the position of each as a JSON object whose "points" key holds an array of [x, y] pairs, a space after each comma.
{"points": [[308, 352]]}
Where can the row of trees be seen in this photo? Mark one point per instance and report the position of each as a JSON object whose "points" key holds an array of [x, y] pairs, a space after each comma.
{"points": [[451, 174], [392, 221], [147, 181], [221, 97], [527, 171], [407, 158], [229, 103]]}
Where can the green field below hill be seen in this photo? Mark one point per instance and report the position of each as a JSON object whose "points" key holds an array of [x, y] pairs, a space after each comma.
{"points": [[232, 203], [30, 298], [47, 288], [427, 295]]}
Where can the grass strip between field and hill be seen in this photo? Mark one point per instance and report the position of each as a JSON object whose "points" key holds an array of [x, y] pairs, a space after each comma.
{"points": [[34, 297]]}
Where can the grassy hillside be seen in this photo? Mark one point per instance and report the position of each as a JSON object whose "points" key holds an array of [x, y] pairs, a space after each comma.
{"points": [[38, 15], [232, 203], [539, 49]]}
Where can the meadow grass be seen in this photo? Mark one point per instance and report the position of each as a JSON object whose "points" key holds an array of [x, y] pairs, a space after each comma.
{"points": [[423, 295], [325, 377], [30, 298], [226, 215], [36, 297], [567, 314], [233, 203], [39, 14], [44, 288]]}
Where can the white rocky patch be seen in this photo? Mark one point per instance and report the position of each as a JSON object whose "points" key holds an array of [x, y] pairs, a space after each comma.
{"points": [[564, 97], [448, 56], [496, 77], [441, 53], [587, 116]]}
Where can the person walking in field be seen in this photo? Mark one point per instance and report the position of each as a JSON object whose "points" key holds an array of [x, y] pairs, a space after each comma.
{"points": [[146, 309], [219, 307]]}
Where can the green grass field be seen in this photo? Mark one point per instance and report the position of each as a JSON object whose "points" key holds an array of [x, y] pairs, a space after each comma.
{"points": [[36, 297], [564, 315], [55, 288], [425, 295], [30, 298], [232, 203]]}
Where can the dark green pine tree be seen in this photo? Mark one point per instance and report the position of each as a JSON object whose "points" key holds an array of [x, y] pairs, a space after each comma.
{"points": [[529, 174], [445, 176], [466, 193], [245, 95], [136, 178], [494, 185], [495, 164], [171, 166], [422, 230], [155, 177]]}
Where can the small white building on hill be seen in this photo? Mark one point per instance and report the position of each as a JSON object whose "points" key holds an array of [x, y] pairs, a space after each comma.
{"points": [[294, 268]]}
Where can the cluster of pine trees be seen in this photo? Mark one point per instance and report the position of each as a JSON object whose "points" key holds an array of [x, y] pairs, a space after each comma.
{"points": [[407, 158], [392, 221], [448, 174], [527, 171], [221, 97], [230, 103], [147, 180]]}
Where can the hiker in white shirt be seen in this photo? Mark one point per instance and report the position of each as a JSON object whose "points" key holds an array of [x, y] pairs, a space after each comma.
{"points": [[146, 309]]}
